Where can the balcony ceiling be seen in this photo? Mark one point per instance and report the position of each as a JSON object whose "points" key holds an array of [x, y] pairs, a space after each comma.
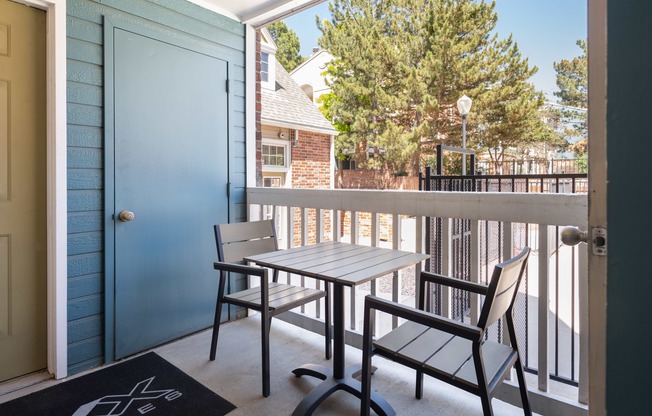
{"points": [[257, 13]]}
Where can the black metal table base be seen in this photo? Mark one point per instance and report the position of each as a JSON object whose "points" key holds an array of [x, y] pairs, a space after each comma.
{"points": [[330, 385]]}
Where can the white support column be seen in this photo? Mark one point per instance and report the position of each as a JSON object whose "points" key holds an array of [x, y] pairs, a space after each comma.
{"points": [[544, 299], [475, 269]]}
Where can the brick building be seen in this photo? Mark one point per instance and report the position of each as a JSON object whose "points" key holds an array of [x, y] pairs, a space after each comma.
{"points": [[296, 140]]}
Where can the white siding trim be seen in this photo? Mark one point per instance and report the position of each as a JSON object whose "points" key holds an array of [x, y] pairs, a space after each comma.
{"points": [[250, 105]]}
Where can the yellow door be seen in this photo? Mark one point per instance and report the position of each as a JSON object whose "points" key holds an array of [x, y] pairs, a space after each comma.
{"points": [[23, 330]]}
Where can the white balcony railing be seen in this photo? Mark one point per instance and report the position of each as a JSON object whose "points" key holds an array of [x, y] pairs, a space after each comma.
{"points": [[309, 215]]}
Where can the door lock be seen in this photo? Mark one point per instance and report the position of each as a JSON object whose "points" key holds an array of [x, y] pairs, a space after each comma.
{"points": [[126, 216], [572, 236]]}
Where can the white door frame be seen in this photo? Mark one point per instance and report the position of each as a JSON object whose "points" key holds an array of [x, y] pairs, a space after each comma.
{"points": [[57, 206], [597, 215]]}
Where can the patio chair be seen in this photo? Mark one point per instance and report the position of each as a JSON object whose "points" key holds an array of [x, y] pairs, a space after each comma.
{"points": [[452, 351], [236, 241]]}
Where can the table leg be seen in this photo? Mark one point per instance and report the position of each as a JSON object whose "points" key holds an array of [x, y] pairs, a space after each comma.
{"points": [[340, 378]]}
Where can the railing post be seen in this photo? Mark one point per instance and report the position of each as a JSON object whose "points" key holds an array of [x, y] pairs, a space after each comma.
{"points": [[583, 288], [475, 269], [375, 240], [319, 224], [446, 267], [418, 248], [508, 253], [290, 234], [304, 241], [544, 298], [396, 245], [354, 240], [336, 224]]}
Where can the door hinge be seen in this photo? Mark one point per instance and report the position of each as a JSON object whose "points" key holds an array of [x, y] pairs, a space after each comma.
{"points": [[228, 85], [228, 190]]}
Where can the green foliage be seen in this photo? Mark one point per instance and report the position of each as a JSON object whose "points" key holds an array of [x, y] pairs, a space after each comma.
{"points": [[401, 65], [572, 80], [288, 45], [582, 163]]}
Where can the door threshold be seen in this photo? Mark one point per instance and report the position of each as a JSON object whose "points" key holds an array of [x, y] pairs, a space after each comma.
{"points": [[25, 381]]}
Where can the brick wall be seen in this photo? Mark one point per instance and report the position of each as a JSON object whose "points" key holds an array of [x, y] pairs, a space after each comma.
{"points": [[311, 164], [311, 168], [371, 179]]}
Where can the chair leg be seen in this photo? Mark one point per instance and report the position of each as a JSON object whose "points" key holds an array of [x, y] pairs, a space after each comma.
{"points": [[365, 389], [327, 320], [418, 393], [218, 315], [482, 380], [265, 328], [522, 388]]}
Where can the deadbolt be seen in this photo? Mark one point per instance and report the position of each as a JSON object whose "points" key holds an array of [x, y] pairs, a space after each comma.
{"points": [[126, 216]]}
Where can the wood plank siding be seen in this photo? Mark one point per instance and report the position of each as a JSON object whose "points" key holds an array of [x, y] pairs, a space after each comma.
{"points": [[85, 97]]}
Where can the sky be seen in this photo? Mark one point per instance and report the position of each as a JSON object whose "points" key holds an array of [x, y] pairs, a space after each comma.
{"points": [[545, 31]]}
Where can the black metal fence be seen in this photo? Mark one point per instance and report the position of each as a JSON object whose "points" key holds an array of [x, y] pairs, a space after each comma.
{"points": [[565, 349], [531, 166]]}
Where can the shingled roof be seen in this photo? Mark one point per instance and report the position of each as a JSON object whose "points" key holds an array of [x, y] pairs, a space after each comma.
{"points": [[288, 106]]}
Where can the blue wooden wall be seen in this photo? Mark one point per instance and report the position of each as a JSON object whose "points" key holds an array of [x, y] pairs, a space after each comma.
{"points": [[85, 144]]}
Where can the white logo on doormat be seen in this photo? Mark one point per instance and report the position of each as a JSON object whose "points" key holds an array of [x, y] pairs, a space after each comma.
{"points": [[121, 402]]}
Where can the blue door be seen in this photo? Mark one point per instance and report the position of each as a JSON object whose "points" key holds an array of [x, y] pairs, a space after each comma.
{"points": [[170, 172]]}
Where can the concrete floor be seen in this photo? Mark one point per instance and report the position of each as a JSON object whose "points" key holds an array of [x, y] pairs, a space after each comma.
{"points": [[235, 375]]}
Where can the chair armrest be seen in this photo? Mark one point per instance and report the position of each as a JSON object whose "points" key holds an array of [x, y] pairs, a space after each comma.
{"points": [[460, 329], [239, 268], [455, 283]]}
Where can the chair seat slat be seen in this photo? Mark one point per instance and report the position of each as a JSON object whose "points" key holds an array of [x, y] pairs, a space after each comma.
{"points": [[280, 296]]}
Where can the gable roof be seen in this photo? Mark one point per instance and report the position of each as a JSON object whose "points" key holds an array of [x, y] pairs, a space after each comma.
{"points": [[288, 106]]}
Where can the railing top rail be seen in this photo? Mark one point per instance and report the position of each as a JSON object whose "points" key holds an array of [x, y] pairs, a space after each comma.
{"points": [[518, 176], [534, 208]]}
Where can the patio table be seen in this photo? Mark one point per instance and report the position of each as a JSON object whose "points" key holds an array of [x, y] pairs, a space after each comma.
{"points": [[342, 264]]}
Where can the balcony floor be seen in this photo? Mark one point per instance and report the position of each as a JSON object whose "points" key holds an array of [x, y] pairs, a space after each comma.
{"points": [[235, 375]]}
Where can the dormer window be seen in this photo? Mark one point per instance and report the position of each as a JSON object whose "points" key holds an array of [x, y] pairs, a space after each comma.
{"points": [[267, 61], [264, 67]]}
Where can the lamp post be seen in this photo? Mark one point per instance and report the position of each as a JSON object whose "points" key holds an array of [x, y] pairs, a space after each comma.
{"points": [[464, 107]]}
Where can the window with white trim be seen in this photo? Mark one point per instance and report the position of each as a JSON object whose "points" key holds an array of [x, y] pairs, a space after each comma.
{"points": [[276, 155]]}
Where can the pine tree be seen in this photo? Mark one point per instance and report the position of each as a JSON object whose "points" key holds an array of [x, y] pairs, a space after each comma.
{"points": [[572, 80], [401, 65], [288, 45]]}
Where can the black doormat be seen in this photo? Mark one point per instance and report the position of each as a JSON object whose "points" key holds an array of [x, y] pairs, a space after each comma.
{"points": [[146, 385]]}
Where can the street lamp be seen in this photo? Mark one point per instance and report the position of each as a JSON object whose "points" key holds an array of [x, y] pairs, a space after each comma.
{"points": [[464, 107]]}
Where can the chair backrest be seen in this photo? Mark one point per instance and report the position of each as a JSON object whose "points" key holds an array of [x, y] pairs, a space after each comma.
{"points": [[503, 288], [235, 241]]}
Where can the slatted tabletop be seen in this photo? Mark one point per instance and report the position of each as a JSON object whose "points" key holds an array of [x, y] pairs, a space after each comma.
{"points": [[337, 262]]}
